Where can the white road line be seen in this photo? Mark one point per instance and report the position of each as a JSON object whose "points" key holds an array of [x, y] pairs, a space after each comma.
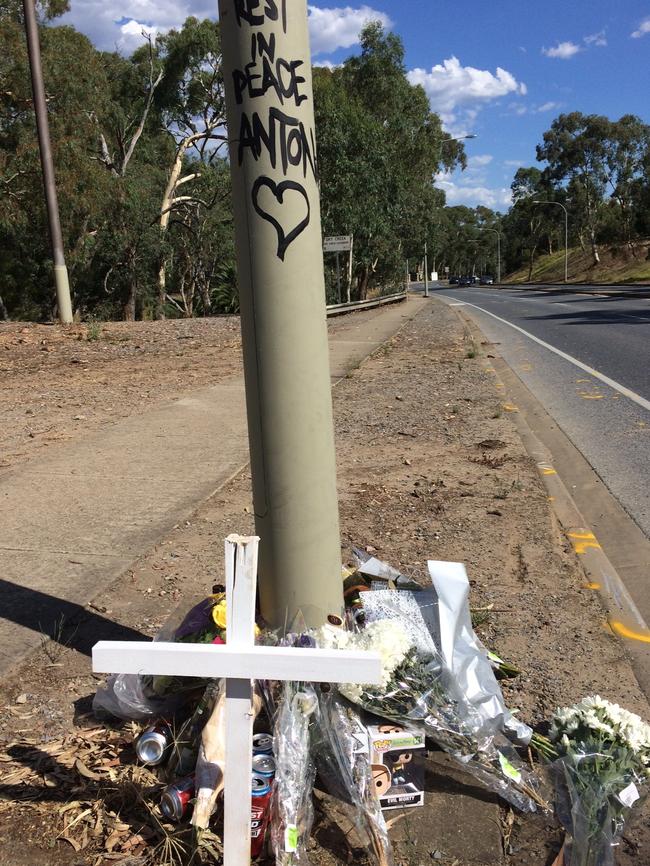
{"points": [[631, 395]]}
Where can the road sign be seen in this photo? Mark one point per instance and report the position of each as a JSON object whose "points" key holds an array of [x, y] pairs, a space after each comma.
{"points": [[337, 244]]}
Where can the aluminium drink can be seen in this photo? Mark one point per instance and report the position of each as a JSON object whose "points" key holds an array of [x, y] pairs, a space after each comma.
{"points": [[262, 744], [260, 812], [176, 798], [264, 765], [154, 744]]}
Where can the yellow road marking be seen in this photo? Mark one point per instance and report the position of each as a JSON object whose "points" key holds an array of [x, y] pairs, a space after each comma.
{"points": [[580, 381], [592, 396], [592, 585], [510, 408], [551, 498], [623, 631], [548, 471], [583, 541]]}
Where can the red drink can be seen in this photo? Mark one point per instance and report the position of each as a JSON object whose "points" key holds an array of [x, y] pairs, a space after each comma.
{"points": [[176, 798], [260, 812]]}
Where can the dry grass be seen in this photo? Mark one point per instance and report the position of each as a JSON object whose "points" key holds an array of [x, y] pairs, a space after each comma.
{"points": [[618, 265]]}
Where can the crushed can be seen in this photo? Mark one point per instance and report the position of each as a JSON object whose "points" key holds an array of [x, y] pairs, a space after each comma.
{"points": [[176, 799], [262, 744], [260, 812], [155, 744]]}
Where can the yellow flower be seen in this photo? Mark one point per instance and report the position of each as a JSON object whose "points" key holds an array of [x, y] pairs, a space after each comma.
{"points": [[219, 614]]}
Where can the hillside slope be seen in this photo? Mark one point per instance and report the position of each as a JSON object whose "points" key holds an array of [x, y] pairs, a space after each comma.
{"points": [[618, 265]]}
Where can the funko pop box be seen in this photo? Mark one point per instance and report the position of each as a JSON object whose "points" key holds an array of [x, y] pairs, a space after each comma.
{"points": [[397, 756]]}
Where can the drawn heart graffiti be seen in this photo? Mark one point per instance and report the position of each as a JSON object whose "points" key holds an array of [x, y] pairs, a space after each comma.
{"points": [[278, 190]]}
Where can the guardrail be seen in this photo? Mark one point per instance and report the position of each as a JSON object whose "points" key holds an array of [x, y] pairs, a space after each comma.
{"points": [[340, 309]]}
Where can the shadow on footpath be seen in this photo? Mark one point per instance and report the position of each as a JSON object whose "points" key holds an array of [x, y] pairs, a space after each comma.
{"points": [[65, 622]]}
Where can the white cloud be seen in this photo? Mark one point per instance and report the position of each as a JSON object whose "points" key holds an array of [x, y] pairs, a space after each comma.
{"points": [[480, 160], [643, 29], [548, 106], [598, 40], [327, 64], [563, 50], [112, 24], [449, 85], [133, 34], [566, 50], [469, 194], [335, 28]]}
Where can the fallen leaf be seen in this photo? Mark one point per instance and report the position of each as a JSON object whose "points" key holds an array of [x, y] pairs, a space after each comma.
{"points": [[83, 770], [71, 841], [112, 840]]}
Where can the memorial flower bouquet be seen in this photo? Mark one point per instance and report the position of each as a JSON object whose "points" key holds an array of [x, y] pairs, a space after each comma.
{"points": [[602, 768], [293, 811], [415, 688]]}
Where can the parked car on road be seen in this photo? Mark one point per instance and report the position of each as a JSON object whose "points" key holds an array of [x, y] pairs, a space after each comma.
{"points": [[453, 281], [487, 280], [464, 281]]}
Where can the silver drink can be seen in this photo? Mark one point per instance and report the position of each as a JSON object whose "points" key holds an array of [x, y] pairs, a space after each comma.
{"points": [[153, 746], [262, 744], [264, 765]]}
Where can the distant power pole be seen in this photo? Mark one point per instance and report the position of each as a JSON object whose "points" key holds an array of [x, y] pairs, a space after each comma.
{"points": [[283, 316], [40, 108]]}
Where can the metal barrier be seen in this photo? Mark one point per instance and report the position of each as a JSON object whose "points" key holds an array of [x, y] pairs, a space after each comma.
{"points": [[340, 309]]}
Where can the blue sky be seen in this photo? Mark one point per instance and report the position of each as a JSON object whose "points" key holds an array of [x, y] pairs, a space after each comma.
{"points": [[502, 69]]}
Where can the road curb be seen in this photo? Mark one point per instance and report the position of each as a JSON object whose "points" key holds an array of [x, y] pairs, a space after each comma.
{"points": [[624, 619]]}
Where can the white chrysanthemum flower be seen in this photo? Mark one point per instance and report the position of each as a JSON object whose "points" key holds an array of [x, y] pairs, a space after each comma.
{"points": [[333, 637]]}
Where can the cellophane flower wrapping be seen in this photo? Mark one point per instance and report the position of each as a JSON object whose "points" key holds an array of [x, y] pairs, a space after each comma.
{"points": [[137, 697], [601, 773], [292, 810], [416, 686], [340, 744]]}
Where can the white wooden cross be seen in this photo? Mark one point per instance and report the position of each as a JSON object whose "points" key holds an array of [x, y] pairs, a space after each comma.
{"points": [[239, 662]]}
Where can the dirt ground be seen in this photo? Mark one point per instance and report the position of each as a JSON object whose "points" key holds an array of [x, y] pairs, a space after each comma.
{"points": [[430, 467]]}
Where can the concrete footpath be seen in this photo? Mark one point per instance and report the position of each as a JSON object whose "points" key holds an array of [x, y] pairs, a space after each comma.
{"points": [[73, 521]]}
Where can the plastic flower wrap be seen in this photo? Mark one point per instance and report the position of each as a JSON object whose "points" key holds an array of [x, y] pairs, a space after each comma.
{"points": [[293, 811], [416, 687], [132, 696], [602, 770], [340, 744]]}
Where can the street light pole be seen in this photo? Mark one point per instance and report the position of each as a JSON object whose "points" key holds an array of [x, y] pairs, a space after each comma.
{"points": [[283, 317], [61, 282], [485, 229], [566, 235], [426, 272]]}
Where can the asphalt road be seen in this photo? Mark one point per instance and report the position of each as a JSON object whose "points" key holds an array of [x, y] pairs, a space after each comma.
{"points": [[587, 360]]}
